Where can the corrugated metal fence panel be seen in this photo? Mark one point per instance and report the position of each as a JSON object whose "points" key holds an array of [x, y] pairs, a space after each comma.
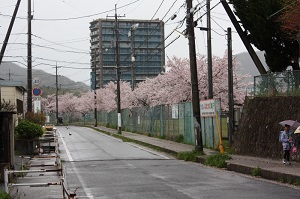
{"points": [[188, 123], [168, 121]]}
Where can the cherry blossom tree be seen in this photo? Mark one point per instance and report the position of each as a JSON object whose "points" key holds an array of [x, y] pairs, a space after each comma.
{"points": [[49, 104], [290, 22], [167, 88], [290, 17], [175, 86], [107, 96], [85, 103]]}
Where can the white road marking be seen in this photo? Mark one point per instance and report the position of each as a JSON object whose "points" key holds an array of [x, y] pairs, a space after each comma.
{"points": [[65, 146], [135, 145], [84, 186]]}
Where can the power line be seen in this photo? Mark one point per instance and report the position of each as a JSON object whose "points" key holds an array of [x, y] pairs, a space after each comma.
{"points": [[46, 46], [59, 44], [157, 9], [68, 62], [73, 18], [218, 24], [155, 30]]}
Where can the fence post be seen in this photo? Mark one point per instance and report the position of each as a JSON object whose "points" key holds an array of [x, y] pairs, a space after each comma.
{"points": [[161, 121], [6, 180]]}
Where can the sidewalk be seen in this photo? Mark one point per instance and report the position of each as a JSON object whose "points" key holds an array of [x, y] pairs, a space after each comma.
{"points": [[43, 177], [40, 184], [269, 168]]}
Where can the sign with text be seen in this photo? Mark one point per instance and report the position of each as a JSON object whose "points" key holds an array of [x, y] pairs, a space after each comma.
{"points": [[208, 108], [36, 81], [37, 106]]}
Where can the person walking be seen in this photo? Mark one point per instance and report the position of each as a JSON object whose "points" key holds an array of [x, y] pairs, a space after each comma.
{"points": [[286, 138]]}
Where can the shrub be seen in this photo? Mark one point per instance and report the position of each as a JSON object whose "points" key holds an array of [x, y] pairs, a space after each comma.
{"points": [[217, 160], [4, 195], [28, 130], [37, 118]]}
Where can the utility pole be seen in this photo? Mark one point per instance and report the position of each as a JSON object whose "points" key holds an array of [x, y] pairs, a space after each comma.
{"points": [[230, 87], [244, 38], [29, 61], [194, 76], [209, 52], [9, 31], [95, 87], [118, 72], [56, 82]]}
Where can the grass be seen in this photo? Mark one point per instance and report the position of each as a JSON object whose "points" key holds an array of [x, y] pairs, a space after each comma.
{"points": [[179, 138], [227, 147], [297, 183], [189, 155], [4, 195], [217, 160], [256, 171]]}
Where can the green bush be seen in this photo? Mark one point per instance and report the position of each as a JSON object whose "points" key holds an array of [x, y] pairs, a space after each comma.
{"points": [[4, 195], [217, 160], [256, 171], [28, 130]]}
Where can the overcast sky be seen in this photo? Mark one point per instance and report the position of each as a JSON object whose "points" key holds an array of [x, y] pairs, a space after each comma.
{"points": [[60, 30]]}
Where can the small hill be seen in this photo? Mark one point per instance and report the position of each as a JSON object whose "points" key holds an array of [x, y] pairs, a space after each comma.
{"points": [[247, 65], [11, 71]]}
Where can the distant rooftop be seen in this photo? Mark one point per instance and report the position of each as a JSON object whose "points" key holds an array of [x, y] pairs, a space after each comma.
{"points": [[19, 84]]}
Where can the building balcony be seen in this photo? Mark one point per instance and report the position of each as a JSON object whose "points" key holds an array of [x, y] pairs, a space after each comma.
{"points": [[96, 26], [94, 33], [94, 40]]}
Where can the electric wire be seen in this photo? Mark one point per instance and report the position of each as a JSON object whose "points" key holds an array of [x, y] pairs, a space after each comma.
{"points": [[59, 44], [157, 9], [74, 18]]}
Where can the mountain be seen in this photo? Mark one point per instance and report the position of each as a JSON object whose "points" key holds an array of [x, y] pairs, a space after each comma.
{"points": [[11, 71], [246, 64]]}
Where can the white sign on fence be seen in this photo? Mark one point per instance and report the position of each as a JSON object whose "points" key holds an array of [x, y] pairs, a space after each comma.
{"points": [[175, 111], [207, 108]]}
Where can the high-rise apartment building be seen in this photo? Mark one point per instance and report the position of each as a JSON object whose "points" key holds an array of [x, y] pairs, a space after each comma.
{"points": [[141, 50]]}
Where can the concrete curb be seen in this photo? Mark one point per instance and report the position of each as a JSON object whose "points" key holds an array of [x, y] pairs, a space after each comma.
{"points": [[266, 174]]}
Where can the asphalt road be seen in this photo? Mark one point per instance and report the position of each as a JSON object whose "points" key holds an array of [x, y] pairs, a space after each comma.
{"points": [[99, 166]]}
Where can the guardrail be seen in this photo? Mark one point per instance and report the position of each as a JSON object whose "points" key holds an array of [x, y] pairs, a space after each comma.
{"points": [[7, 172], [66, 191]]}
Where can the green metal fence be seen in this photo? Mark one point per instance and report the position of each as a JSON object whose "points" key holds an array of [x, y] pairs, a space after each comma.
{"points": [[277, 84], [173, 122]]}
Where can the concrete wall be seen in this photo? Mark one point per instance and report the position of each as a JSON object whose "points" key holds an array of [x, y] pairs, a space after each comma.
{"points": [[258, 130]]}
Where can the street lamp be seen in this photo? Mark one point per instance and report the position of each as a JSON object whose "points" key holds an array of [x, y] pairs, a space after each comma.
{"points": [[131, 35]]}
